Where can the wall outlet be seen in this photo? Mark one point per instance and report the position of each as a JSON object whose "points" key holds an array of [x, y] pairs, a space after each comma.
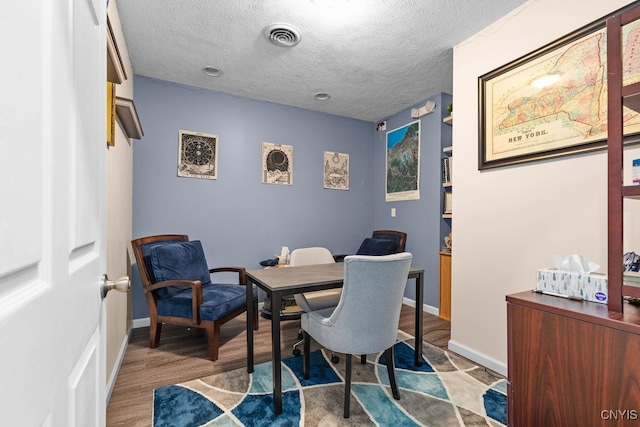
{"points": [[393, 212]]}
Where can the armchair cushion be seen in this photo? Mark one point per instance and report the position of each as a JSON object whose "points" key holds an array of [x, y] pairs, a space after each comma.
{"points": [[181, 260], [217, 301], [372, 246]]}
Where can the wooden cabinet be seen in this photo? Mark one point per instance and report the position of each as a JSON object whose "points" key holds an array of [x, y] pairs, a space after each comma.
{"points": [[444, 308], [572, 362]]}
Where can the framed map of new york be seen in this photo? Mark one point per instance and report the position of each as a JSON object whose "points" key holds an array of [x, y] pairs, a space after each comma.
{"points": [[553, 102]]}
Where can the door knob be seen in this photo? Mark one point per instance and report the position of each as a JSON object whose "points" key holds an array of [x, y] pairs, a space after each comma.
{"points": [[123, 284]]}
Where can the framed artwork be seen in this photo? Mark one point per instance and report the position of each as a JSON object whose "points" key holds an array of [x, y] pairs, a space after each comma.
{"points": [[111, 114], [403, 163], [447, 203], [553, 102], [198, 155], [277, 164], [336, 171]]}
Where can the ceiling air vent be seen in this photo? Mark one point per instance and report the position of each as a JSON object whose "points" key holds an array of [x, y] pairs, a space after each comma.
{"points": [[283, 35]]}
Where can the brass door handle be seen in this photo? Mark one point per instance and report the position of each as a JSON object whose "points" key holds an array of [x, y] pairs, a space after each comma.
{"points": [[123, 284]]}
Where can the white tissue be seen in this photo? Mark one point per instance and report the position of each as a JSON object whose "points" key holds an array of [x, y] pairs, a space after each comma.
{"points": [[284, 252], [576, 263], [283, 258]]}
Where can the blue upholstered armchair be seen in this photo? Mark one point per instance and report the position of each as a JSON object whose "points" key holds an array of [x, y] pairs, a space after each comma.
{"points": [[177, 284]]}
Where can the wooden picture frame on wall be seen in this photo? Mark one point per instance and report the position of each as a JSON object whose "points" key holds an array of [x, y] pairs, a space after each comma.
{"points": [[553, 101], [111, 114]]}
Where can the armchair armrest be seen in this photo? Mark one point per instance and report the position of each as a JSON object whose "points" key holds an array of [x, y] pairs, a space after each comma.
{"points": [[196, 294], [242, 273], [167, 283]]}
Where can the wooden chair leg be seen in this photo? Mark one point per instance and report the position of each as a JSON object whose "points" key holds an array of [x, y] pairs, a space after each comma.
{"points": [[347, 386], [154, 334], [388, 356], [213, 337]]}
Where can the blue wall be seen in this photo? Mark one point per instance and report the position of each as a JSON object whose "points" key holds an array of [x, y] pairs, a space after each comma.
{"points": [[420, 219], [241, 221]]}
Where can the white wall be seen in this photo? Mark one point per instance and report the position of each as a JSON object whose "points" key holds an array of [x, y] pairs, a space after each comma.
{"points": [[119, 220], [510, 221]]}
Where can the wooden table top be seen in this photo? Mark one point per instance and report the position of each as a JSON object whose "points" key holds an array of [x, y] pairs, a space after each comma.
{"points": [[319, 275], [279, 279]]}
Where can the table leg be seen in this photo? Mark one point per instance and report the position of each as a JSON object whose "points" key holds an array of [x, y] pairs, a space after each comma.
{"points": [[249, 326], [419, 316], [276, 357]]}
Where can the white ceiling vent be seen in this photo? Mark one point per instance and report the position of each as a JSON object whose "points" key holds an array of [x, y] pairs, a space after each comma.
{"points": [[284, 35]]}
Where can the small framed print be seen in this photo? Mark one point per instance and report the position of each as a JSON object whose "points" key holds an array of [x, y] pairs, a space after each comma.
{"points": [[277, 164], [198, 155], [447, 203], [336, 171]]}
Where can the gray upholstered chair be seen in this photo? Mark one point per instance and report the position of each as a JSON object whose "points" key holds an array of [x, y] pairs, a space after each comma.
{"points": [[177, 284], [317, 300], [365, 321]]}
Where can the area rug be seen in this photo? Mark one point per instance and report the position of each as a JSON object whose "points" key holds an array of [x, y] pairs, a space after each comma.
{"points": [[446, 390]]}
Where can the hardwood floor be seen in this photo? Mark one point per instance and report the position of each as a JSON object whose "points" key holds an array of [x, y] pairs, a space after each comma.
{"points": [[183, 355]]}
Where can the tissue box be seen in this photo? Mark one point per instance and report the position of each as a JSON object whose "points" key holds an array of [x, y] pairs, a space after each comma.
{"points": [[589, 287]]}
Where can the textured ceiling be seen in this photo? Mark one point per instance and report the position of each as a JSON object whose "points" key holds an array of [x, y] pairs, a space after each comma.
{"points": [[373, 57]]}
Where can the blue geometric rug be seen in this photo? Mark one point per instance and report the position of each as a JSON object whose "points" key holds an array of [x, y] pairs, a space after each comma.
{"points": [[445, 391]]}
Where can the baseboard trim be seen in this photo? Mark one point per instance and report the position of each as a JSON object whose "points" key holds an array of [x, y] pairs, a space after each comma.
{"points": [[141, 323], [116, 369], [426, 308], [483, 359]]}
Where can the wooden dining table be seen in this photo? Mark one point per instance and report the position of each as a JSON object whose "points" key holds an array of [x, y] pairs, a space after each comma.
{"points": [[281, 282]]}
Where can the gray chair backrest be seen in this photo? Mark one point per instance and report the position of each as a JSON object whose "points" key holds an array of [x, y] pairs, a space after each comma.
{"points": [[309, 256], [368, 313]]}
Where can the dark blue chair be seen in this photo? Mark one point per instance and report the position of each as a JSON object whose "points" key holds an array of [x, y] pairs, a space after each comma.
{"points": [[177, 284], [381, 242]]}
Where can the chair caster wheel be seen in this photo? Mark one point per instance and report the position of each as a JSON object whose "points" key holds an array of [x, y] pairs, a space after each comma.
{"points": [[296, 352], [300, 336], [335, 359]]}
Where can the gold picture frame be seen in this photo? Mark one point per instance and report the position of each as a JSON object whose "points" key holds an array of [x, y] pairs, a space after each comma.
{"points": [[111, 114]]}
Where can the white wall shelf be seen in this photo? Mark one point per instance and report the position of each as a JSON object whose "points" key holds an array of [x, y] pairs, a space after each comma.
{"points": [[115, 68], [126, 112]]}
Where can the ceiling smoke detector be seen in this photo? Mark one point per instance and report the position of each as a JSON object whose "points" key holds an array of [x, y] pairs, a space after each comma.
{"points": [[283, 35]]}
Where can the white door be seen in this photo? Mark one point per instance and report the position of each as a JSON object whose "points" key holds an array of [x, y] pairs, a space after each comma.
{"points": [[52, 150]]}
